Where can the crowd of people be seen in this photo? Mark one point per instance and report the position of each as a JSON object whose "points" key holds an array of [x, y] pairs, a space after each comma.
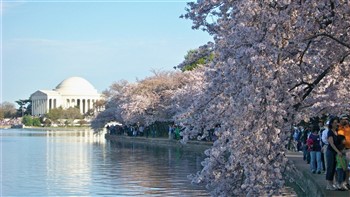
{"points": [[326, 147], [10, 122], [173, 131], [139, 130], [324, 142]]}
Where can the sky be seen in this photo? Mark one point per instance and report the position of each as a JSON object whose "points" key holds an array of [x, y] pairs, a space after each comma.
{"points": [[45, 42]]}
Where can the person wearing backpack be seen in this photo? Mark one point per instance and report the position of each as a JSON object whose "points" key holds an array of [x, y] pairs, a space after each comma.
{"points": [[305, 135], [314, 144]]}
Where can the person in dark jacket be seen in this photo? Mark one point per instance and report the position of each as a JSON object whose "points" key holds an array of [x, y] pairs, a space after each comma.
{"points": [[332, 151], [315, 150]]}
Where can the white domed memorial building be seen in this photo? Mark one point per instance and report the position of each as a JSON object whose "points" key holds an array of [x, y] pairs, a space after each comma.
{"points": [[71, 92]]}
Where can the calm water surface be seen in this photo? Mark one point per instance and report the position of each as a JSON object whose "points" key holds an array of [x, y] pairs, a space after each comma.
{"points": [[76, 163]]}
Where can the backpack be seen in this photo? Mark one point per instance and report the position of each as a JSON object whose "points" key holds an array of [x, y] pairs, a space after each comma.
{"points": [[309, 143]]}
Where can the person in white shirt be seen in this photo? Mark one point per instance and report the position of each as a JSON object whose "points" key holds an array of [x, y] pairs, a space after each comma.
{"points": [[325, 143]]}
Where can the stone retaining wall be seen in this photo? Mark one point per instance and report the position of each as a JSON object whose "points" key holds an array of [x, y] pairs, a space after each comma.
{"points": [[198, 145]]}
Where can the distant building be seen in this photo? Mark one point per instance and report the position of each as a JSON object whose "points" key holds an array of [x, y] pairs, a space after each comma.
{"points": [[71, 92]]}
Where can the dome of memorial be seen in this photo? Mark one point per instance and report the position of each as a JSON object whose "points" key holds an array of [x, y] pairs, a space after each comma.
{"points": [[75, 86]]}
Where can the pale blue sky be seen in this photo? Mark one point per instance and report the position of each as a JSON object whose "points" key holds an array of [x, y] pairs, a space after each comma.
{"points": [[45, 42]]}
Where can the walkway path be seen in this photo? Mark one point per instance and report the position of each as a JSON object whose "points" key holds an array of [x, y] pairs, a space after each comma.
{"points": [[318, 179]]}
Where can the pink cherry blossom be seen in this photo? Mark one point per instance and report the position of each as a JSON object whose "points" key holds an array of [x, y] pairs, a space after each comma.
{"points": [[277, 62]]}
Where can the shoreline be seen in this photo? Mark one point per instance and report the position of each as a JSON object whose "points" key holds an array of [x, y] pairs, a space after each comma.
{"points": [[165, 142], [50, 128], [59, 128]]}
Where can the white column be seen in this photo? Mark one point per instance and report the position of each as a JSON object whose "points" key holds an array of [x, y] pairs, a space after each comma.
{"points": [[36, 106], [89, 104], [33, 107], [86, 105], [47, 105], [81, 105], [41, 106]]}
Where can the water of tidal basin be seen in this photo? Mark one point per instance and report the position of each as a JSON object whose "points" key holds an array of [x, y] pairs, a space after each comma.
{"points": [[75, 163]]}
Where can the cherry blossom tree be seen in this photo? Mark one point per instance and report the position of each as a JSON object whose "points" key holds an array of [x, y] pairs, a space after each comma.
{"points": [[185, 97], [146, 101], [114, 98], [276, 62], [149, 99]]}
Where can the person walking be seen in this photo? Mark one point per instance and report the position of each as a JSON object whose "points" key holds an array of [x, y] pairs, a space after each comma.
{"points": [[177, 132], [305, 135], [141, 130], [325, 144], [332, 151], [344, 129], [315, 150], [341, 166], [170, 131]]}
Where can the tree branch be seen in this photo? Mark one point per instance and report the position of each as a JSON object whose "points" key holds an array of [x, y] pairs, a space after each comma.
{"points": [[313, 85], [299, 84], [331, 37], [304, 52]]}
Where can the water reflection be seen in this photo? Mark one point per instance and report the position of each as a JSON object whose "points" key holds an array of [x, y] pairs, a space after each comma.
{"points": [[61, 163], [79, 163], [68, 158], [155, 169]]}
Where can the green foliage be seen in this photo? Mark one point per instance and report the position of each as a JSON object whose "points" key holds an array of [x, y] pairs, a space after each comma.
{"points": [[194, 61], [36, 122], [72, 113], [55, 114], [69, 114], [27, 120], [25, 107]]}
